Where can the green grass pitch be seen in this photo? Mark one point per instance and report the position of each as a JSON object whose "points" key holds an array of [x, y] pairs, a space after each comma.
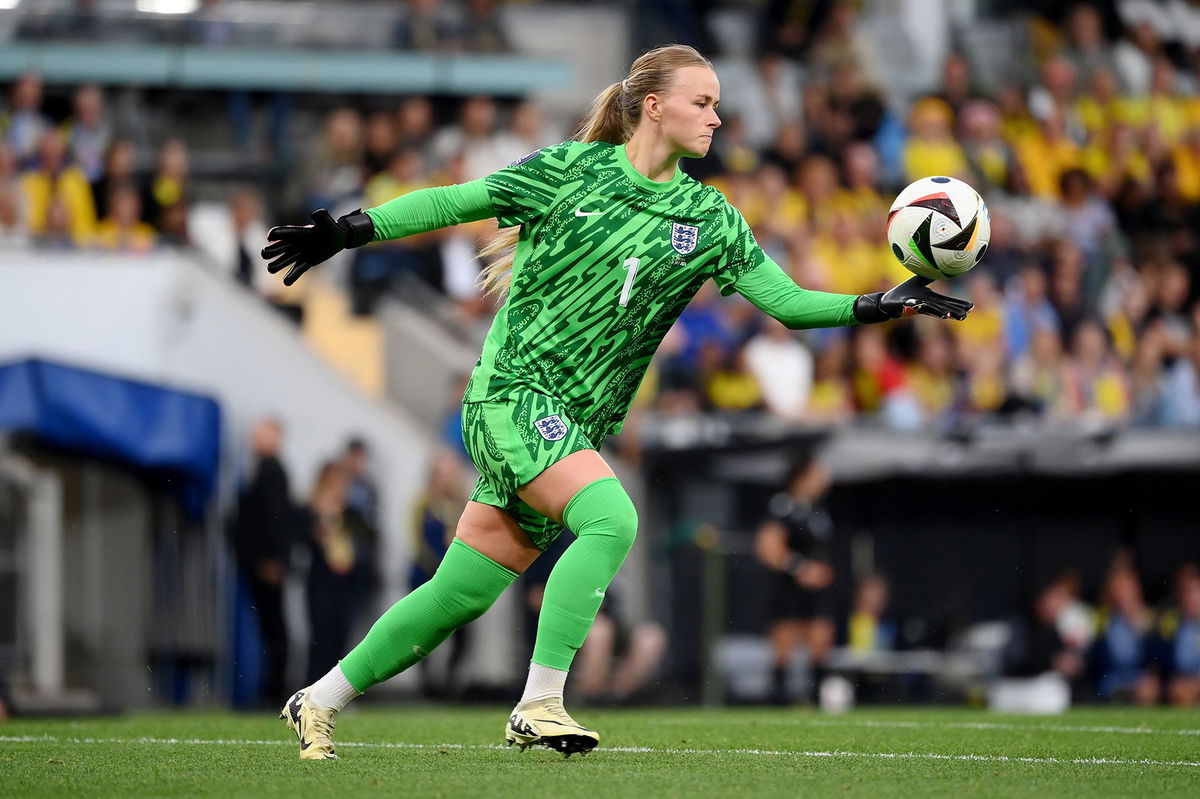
{"points": [[452, 752]]}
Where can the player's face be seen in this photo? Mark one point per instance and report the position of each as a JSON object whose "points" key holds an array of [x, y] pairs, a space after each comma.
{"points": [[689, 111]]}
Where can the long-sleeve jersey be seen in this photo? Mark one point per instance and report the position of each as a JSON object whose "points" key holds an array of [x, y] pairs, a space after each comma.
{"points": [[606, 260]]}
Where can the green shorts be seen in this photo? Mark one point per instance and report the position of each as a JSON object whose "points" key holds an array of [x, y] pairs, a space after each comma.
{"points": [[512, 441]]}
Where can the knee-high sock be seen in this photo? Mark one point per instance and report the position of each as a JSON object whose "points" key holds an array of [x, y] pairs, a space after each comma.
{"points": [[464, 586], [604, 521]]}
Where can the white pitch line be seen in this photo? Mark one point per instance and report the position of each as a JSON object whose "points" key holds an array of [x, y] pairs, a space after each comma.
{"points": [[1076, 761], [994, 725]]}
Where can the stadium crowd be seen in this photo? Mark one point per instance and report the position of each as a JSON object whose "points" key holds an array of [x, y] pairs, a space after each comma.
{"points": [[1086, 303]]}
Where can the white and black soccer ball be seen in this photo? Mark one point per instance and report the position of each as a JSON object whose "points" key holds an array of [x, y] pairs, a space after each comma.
{"points": [[939, 227]]}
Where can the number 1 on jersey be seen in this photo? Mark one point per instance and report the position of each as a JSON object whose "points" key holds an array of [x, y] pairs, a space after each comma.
{"points": [[631, 266]]}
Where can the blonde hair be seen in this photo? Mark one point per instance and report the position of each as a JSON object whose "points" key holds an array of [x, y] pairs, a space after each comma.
{"points": [[613, 117]]}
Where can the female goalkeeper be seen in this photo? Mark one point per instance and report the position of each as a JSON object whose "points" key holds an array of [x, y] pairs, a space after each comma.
{"points": [[612, 240]]}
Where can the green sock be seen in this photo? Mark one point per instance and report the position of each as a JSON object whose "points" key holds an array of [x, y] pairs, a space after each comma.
{"points": [[464, 586], [604, 521]]}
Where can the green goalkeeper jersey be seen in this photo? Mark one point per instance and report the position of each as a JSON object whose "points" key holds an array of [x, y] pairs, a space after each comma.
{"points": [[606, 261]]}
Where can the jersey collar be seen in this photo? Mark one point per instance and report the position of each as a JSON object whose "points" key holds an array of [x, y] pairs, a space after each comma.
{"points": [[641, 180]]}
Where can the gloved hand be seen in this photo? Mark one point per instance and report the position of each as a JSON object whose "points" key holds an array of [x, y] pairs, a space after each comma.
{"points": [[304, 246], [912, 295]]}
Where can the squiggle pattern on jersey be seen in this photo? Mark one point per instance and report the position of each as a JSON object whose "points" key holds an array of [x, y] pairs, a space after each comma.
{"points": [[562, 331]]}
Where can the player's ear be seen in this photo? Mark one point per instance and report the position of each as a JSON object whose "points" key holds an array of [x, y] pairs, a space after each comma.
{"points": [[651, 107]]}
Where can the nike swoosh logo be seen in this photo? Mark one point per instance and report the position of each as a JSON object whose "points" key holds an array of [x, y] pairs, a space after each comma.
{"points": [[580, 212]]}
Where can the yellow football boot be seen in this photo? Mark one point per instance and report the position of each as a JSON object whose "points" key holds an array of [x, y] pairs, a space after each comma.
{"points": [[545, 722], [312, 724]]}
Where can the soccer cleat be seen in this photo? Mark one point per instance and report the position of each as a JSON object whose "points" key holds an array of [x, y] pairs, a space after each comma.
{"points": [[312, 724], [545, 722]]}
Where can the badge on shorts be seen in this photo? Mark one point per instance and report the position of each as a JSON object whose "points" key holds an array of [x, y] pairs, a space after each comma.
{"points": [[552, 428], [684, 237]]}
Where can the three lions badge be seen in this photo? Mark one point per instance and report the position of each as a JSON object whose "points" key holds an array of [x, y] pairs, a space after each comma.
{"points": [[684, 238], [551, 428]]}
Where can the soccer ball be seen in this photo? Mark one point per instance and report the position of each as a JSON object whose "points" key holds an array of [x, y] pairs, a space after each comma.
{"points": [[939, 227]]}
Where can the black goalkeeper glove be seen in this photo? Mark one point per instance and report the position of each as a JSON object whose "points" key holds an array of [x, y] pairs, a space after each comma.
{"points": [[304, 246], [912, 293]]}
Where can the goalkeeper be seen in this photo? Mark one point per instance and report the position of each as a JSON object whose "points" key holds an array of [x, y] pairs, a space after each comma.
{"points": [[608, 240]]}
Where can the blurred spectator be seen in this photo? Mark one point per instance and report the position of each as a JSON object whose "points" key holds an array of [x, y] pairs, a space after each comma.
{"points": [[868, 629], [123, 230], [789, 27], [362, 496], [526, 130], [414, 123], [481, 30], [331, 173], [1101, 105], [1097, 387], [249, 232], [934, 379], [474, 137], [14, 230], [1089, 222], [120, 160], [1027, 310], [26, 125], [794, 543], [1047, 153], [1121, 654], [1180, 389], [1180, 633], [55, 182], [988, 156], [341, 573], [1133, 57], [1038, 376], [728, 384], [426, 26], [379, 142], [840, 40], [618, 657], [782, 368], [1038, 644], [89, 132], [931, 147], [377, 266], [262, 532], [984, 328], [957, 86], [57, 233], [879, 382], [169, 186], [1086, 48], [1171, 289], [1055, 96], [851, 97]]}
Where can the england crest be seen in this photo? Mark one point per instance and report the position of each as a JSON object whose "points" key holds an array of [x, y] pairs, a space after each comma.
{"points": [[552, 428], [684, 237]]}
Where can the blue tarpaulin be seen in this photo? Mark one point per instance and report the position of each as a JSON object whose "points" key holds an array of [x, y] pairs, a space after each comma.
{"points": [[173, 434]]}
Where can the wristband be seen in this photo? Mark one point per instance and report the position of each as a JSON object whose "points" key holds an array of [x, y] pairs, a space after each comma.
{"points": [[359, 227]]}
